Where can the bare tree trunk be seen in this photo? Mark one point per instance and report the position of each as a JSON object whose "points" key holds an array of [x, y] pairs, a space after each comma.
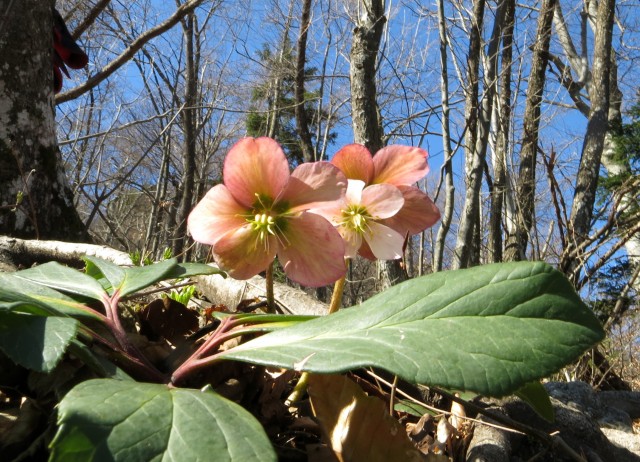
{"points": [[449, 192], [503, 124], [597, 128], [365, 113], [616, 167], [367, 126], [35, 199], [189, 132], [276, 94], [579, 64], [301, 114], [151, 240], [517, 242], [465, 246]]}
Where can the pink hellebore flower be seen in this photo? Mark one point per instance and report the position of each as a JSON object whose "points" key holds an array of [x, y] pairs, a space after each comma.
{"points": [[358, 219], [261, 211], [400, 166]]}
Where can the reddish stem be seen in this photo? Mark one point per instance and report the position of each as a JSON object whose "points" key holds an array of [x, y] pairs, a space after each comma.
{"points": [[220, 335], [128, 349]]}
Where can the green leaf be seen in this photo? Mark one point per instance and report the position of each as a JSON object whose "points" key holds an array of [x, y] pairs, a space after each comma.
{"points": [[131, 280], [535, 394], [185, 270], [105, 419], [412, 408], [35, 342], [100, 365], [17, 302], [489, 329], [134, 279], [41, 300], [64, 279], [106, 273]]}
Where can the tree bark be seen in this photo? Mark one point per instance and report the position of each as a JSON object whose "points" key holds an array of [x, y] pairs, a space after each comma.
{"points": [[35, 199], [503, 124], [365, 113], [19, 253], [301, 114], [466, 247], [449, 192], [189, 132], [579, 64], [592, 148], [516, 246]]}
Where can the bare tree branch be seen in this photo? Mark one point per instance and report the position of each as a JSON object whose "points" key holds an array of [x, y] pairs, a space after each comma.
{"points": [[127, 54]]}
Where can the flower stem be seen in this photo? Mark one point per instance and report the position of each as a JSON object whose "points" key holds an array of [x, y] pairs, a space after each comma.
{"points": [[336, 297], [299, 390], [127, 348], [219, 336], [336, 303], [271, 304]]}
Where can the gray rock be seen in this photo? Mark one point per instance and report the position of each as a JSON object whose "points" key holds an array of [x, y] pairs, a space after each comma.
{"points": [[596, 425]]}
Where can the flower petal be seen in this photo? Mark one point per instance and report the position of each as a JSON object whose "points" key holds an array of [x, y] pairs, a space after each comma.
{"points": [[385, 243], [400, 165], [354, 192], [418, 213], [215, 215], [255, 166], [382, 200], [314, 251], [331, 211], [242, 255], [365, 252], [352, 241], [355, 162], [312, 184]]}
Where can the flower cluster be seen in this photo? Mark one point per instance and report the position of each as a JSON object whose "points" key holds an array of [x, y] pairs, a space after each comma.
{"points": [[314, 217]]}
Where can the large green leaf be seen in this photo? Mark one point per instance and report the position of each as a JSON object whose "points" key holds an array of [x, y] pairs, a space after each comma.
{"points": [[489, 329], [130, 280], [41, 300], [63, 278], [185, 270], [105, 419], [35, 342]]}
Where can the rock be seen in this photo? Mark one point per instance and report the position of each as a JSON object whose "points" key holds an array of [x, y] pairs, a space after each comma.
{"points": [[596, 425], [489, 444]]}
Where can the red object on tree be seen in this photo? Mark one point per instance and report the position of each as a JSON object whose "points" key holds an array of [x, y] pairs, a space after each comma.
{"points": [[65, 51]]}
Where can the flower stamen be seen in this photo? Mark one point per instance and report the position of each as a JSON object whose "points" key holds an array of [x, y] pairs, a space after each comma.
{"points": [[355, 217], [264, 225]]}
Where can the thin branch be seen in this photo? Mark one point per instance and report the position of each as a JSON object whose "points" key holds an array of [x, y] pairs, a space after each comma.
{"points": [[128, 53], [90, 18]]}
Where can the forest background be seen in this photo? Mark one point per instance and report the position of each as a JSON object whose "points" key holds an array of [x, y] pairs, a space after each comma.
{"points": [[527, 111]]}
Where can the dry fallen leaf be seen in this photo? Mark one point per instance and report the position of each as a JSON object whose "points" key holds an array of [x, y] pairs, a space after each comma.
{"points": [[358, 426], [168, 319]]}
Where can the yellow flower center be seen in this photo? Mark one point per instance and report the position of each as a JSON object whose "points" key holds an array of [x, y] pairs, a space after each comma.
{"points": [[266, 219], [264, 224], [355, 217]]}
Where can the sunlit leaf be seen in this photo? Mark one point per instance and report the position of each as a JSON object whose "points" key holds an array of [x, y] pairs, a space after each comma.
{"points": [[358, 427], [130, 280], [107, 419], [134, 279], [185, 270], [489, 329], [63, 278], [38, 299]]}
